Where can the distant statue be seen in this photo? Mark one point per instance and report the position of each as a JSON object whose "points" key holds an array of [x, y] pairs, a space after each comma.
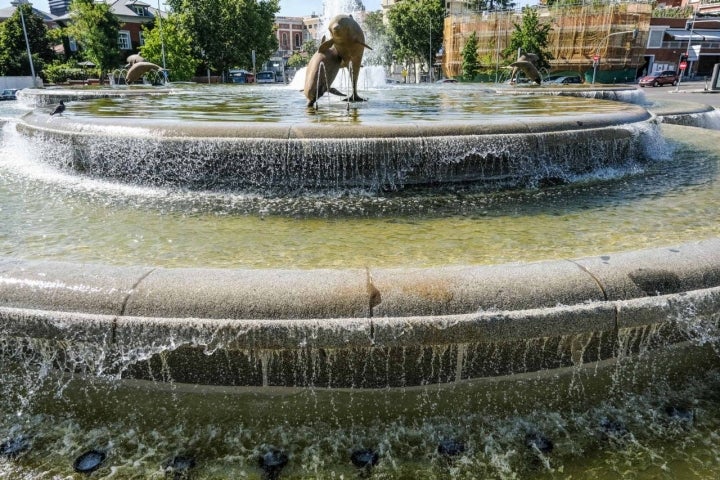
{"points": [[138, 70], [526, 63], [321, 73], [133, 59], [348, 40]]}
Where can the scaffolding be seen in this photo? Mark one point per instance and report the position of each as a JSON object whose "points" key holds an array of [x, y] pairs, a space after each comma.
{"points": [[578, 34]]}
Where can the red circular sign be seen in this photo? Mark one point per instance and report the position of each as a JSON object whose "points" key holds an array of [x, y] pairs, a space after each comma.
{"points": [[596, 58], [683, 65]]}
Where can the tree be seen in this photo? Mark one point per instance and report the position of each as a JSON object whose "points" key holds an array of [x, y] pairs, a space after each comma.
{"points": [[470, 62], [530, 36], [301, 58], [415, 24], [180, 57], [95, 29], [225, 32], [13, 50], [490, 5], [377, 37]]}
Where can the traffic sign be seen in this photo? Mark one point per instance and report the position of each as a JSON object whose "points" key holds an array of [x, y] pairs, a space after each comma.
{"points": [[683, 65], [596, 58]]}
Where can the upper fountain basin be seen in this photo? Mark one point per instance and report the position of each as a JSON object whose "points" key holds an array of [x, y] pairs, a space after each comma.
{"points": [[266, 139]]}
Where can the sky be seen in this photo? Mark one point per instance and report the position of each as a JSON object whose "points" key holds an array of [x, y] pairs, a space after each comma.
{"points": [[290, 8], [298, 8]]}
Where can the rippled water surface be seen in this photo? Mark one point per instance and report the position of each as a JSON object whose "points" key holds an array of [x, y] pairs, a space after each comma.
{"points": [[54, 215], [279, 104]]}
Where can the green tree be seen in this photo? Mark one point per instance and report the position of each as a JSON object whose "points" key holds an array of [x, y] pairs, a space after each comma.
{"points": [[415, 24], [180, 58], [227, 31], [95, 29], [377, 37], [470, 62], [13, 50], [301, 58], [530, 36], [483, 5]]}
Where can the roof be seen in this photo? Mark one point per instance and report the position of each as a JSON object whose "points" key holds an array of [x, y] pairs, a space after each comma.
{"points": [[698, 35], [7, 12], [124, 8], [124, 11]]}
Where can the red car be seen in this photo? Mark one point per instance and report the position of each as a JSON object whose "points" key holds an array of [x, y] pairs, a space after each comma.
{"points": [[658, 79]]}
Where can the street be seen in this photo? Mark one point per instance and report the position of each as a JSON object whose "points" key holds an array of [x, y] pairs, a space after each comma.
{"points": [[689, 91]]}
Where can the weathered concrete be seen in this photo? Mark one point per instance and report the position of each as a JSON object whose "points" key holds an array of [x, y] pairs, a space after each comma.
{"points": [[389, 328]]}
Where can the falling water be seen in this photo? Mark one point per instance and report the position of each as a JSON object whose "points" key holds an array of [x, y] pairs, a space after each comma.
{"points": [[65, 397]]}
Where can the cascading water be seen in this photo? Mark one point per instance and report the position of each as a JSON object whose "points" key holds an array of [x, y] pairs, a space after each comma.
{"points": [[590, 368]]}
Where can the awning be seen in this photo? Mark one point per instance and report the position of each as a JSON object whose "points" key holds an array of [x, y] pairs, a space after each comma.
{"points": [[698, 35]]}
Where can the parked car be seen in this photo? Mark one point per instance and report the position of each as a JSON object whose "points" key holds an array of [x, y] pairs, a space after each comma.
{"points": [[446, 80], [658, 79], [564, 79], [9, 94], [241, 76], [267, 76]]}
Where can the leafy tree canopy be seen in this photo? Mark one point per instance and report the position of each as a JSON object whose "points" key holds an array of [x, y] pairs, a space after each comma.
{"points": [[414, 23], [13, 50], [483, 5], [530, 36], [470, 62], [377, 37], [180, 57], [225, 32], [95, 29], [301, 58]]}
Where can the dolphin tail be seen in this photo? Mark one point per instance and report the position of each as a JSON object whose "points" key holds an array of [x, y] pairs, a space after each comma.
{"points": [[334, 91], [369, 48], [326, 45]]}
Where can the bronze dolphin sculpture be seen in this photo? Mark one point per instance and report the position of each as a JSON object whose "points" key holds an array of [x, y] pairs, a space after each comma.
{"points": [[526, 63], [321, 72], [138, 70], [349, 40], [133, 59]]}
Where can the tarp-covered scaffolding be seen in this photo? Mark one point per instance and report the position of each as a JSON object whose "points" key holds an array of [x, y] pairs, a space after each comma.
{"points": [[578, 34]]}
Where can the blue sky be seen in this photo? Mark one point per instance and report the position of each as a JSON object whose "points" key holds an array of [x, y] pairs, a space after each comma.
{"points": [[298, 8], [294, 8]]}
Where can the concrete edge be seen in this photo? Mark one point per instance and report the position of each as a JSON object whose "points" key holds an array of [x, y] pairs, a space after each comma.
{"points": [[611, 317], [36, 121], [277, 294]]}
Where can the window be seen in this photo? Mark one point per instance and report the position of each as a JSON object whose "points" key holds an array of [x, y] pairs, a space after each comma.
{"points": [[655, 38], [73, 45], [142, 38], [140, 11], [284, 41], [124, 40], [298, 40]]}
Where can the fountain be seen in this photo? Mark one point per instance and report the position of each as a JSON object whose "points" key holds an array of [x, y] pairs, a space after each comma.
{"points": [[220, 283]]}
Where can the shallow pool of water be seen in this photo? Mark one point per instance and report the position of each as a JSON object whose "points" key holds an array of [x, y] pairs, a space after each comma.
{"points": [[49, 214], [282, 105]]}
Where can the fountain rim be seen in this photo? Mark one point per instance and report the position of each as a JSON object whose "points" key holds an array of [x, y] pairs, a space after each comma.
{"points": [[302, 130], [275, 309]]}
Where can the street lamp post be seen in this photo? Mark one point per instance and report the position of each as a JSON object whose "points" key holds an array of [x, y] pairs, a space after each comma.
{"points": [[596, 63], [17, 4], [687, 50], [430, 66]]}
